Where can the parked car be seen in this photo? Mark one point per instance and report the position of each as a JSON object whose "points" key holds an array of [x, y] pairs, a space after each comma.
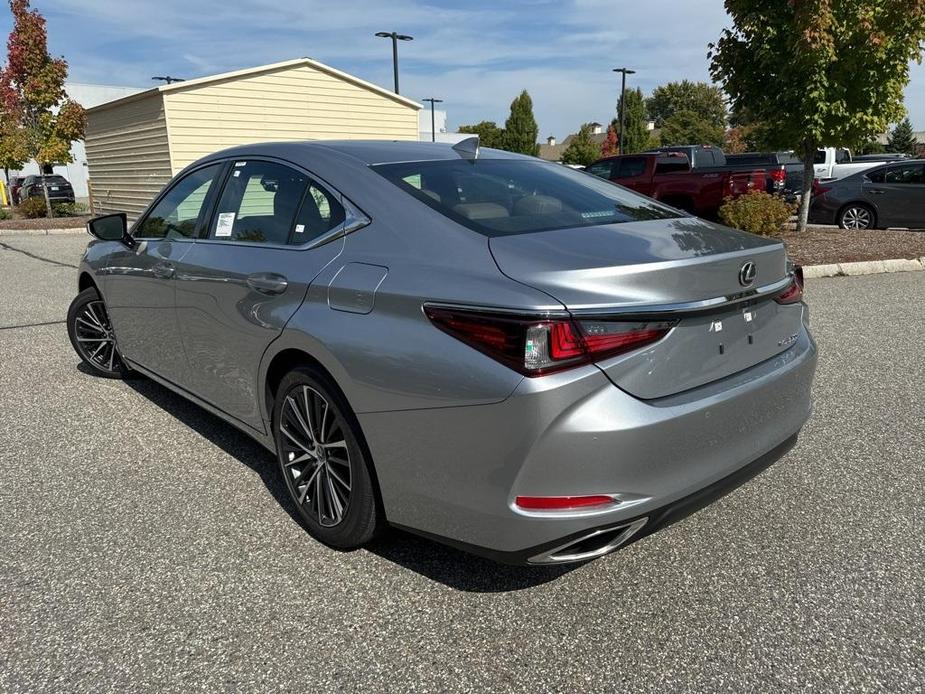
{"points": [[669, 178], [514, 357], [707, 158], [889, 195], [15, 187], [774, 162], [837, 162], [59, 190]]}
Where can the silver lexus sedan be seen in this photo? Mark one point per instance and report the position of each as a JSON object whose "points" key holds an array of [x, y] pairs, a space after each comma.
{"points": [[504, 354]]}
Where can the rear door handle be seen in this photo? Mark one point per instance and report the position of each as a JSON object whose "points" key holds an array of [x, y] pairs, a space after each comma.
{"points": [[267, 282], [163, 270]]}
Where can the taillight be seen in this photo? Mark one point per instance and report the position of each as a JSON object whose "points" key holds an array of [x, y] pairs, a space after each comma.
{"points": [[538, 346], [563, 503], [794, 292]]}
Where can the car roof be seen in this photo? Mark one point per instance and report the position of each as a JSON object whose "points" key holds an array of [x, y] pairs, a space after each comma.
{"points": [[365, 151]]}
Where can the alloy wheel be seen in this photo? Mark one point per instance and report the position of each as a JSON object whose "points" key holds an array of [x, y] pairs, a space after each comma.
{"points": [[315, 455], [95, 338], [857, 218]]}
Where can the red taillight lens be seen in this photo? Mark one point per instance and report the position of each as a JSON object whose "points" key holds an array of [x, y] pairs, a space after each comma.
{"points": [[536, 347], [562, 503], [779, 175], [794, 293]]}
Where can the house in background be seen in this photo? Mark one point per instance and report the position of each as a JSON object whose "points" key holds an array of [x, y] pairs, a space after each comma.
{"points": [[88, 96], [136, 144], [553, 150]]}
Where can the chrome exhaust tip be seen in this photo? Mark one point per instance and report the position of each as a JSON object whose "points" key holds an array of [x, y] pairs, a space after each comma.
{"points": [[595, 544]]}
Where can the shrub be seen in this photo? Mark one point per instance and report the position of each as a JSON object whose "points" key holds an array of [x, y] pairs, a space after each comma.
{"points": [[32, 208], [69, 209], [5, 213], [756, 212]]}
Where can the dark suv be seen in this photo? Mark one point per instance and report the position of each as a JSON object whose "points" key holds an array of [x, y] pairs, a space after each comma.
{"points": [[59, 190]]}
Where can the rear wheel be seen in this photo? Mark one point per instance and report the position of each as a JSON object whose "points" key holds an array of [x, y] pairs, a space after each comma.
{"points": [[92, 336], [856, 216], [324, 461]]}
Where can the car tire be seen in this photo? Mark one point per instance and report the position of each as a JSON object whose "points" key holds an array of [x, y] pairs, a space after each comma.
{"points": [[92, 335], [324, 460], [857, 217]]}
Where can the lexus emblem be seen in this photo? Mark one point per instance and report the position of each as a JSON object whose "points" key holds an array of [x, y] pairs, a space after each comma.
{"points": [[747, 274]]}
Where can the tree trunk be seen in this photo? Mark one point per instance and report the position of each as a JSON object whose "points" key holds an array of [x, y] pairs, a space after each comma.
{"points": [[50, 213], [809, 174]]}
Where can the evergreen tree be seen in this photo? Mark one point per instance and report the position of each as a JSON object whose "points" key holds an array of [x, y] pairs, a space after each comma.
{"points": [[520, 129], [581, 149], [636, 131], [902, 138]]}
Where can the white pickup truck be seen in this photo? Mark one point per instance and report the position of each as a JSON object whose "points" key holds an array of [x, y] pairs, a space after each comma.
{"points": [[836, 162]]}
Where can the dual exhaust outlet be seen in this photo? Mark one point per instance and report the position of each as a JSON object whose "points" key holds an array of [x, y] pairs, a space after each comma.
{"points": [[594, 544]]}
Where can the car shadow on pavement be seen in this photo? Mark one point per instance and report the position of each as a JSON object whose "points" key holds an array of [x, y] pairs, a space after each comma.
{"points": [[452, 567]]}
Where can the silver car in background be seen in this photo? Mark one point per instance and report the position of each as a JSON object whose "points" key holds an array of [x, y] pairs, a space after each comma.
{"points": [[504, 354]]}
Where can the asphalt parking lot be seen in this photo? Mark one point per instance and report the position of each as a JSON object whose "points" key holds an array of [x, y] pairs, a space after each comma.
{"points": [[145, 545]]}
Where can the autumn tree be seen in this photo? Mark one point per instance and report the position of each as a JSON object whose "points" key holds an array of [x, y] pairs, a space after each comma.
{"points": [[698, 97], [902, 138], [636, 130], [818, 72], [520, 128], [32, 93], [582, 150], [611, 144], [490, 135]]}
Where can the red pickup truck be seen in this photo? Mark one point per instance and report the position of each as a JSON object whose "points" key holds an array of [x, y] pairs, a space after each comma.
{"points": [[668, 177]]}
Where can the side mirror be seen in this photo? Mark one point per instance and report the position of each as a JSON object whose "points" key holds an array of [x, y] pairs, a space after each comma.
{"points": [[111, 227]]}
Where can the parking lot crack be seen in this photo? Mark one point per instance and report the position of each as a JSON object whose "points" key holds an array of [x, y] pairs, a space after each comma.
{"points": [[31, 325], [8, 247]]}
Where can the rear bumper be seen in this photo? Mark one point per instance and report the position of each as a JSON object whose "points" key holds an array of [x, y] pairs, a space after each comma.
{"points": [[453, 473]]}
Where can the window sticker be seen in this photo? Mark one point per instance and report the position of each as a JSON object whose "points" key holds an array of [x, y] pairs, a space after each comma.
{"points": [[237, 173], [240, 163], [299, 228], [225, 224]]}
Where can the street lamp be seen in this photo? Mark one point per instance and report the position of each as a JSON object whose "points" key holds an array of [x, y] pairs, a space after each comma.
{"points": [[395, 39], [168, 79], [433, 127], [625, 71]]}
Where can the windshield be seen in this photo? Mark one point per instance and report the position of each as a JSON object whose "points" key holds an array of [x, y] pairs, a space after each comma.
{"points": [[498, 197]]}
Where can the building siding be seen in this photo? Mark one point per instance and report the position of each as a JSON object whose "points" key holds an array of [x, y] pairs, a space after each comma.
{"points": [[288, 103], [128, 155]]}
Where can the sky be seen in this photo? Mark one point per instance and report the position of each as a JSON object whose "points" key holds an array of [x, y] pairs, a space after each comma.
{"points": [[476, 55]]}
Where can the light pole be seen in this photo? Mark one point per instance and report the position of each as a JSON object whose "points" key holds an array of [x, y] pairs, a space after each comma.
{"points": [[396, 37], [625, 71], [168, 79], [433, 127]]}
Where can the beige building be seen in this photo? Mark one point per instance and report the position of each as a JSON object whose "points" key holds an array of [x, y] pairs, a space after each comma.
{"points": [[136, 144]]}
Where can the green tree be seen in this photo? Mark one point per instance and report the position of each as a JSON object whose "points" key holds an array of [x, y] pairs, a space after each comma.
{"points": [[582, 150], [699, 97], [33, 96], [688, 128], [520, 129], [818, 72], [872, 147], [902, 138], [636, 131], [490, 135]]}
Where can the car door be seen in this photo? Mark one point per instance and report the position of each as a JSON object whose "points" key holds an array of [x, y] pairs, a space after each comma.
{"points": [[139, 281], [273, 230], [898, 194]]}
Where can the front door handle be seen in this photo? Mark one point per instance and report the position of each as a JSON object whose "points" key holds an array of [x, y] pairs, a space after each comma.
{"points": [[267, 282], [163, 271]]}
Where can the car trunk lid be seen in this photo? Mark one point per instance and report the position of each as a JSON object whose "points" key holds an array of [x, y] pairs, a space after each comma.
{"points": [[684, 270]]}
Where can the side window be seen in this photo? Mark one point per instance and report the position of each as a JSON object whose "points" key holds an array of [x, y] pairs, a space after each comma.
{"points": [[320, 212], [876, 176], [910, 173], [259, 203], [601, 168], [177, 213], [632, 166]]}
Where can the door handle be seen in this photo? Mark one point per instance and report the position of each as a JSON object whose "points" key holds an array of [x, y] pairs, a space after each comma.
{"points": [[875, 191], [163, 270], [267, 282]]}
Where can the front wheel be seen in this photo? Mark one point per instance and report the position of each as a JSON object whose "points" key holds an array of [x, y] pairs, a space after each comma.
{"points": [[92, 336], [324, 461], [856, 216]]}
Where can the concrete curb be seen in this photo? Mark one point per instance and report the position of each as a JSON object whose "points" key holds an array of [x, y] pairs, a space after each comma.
{"points": [[869, 267], [42, 232]]}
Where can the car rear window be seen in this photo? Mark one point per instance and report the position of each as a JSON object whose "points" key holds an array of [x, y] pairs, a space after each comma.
{"points": [[55, 180], [499, 197]]}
